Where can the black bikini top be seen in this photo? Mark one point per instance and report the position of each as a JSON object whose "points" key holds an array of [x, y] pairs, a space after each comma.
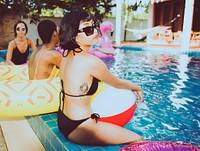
{"points": [[19, 58], [92, 90], [94, 85]]}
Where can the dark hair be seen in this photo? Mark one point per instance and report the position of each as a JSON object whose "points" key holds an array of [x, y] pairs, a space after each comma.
{"points": [[69, 28], [15, 26], [45, 30]]}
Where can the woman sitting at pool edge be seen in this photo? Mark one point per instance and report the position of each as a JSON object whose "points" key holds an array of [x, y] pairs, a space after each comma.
{"points": [[18, 49], [80, 73]]}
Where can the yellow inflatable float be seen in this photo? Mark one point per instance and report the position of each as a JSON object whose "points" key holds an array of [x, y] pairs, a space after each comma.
{"points": [[28, 97], [34, 97], [14, 72]]}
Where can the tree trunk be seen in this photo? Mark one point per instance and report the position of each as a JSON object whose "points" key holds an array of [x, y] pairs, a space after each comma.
{"points": [[126, 19], [6, 29]]}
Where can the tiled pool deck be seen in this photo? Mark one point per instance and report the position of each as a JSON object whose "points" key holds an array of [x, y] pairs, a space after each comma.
{"points": [[46, 129]]}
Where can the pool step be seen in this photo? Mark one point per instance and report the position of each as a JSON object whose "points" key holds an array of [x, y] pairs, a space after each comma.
{"points": [[19, 136]]}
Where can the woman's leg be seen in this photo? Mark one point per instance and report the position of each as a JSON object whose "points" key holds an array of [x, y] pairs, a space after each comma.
{"points": [[102, 133]]}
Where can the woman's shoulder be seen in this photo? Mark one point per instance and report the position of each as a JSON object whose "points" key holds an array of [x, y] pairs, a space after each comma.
{"points": [[12, 43], [29, 40], [93, 60]]}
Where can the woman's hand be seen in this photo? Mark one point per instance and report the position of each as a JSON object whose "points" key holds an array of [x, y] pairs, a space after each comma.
{"points": [[139, 94]]}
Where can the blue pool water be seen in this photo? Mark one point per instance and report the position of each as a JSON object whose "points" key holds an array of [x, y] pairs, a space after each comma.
{"points": [[3, 55], [171, 85]]}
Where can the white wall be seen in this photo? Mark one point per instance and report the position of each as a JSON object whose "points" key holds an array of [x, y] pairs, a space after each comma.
{"points": [[32, 28], [136, 24]]}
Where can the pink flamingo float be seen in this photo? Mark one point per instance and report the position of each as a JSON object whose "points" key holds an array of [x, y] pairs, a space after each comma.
{"points": [[104, 48]]}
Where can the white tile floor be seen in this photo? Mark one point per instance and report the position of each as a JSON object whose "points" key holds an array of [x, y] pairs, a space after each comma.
{"points": [[19, 136]]}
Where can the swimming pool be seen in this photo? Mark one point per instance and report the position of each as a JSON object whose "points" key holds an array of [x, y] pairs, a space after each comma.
{"points": [[3, 55], [171, 84]]}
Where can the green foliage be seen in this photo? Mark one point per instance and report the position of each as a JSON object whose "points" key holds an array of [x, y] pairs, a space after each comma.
{"points": [[53, 8], [132, 9]]}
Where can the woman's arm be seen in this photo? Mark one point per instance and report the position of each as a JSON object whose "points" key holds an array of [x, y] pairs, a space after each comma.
{"points": [[100, 71], [9, 53], [31, 44]]}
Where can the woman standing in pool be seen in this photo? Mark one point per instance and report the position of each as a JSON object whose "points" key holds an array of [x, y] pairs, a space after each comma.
{"points": [[18, 49], [80, 73]]}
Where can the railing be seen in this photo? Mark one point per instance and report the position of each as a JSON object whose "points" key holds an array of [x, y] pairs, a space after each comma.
{"points": [[169, 37]]}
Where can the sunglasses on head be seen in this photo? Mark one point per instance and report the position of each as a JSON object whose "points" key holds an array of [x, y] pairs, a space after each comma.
{"points": [[89, 30], [20, 29]]}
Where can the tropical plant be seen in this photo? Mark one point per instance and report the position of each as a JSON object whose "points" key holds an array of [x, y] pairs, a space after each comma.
{"points": [[129, 7], [36, 8]]}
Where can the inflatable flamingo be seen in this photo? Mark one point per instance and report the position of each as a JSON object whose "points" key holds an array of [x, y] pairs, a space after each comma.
{"points": [[104, 49]]}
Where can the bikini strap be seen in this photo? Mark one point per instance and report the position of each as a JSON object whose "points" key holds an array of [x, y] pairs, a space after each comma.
{"points": [[63, 94], [77, 51], [36, 68], [27, 42], [74, 51], [95, 116], [15, 43]]}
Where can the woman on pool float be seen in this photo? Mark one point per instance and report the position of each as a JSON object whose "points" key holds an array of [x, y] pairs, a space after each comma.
{"points": [[18, 49], [80, 73]]}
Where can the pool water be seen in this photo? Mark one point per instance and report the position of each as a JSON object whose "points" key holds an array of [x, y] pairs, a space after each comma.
{"points": [[3, 55], [171, 84]]}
